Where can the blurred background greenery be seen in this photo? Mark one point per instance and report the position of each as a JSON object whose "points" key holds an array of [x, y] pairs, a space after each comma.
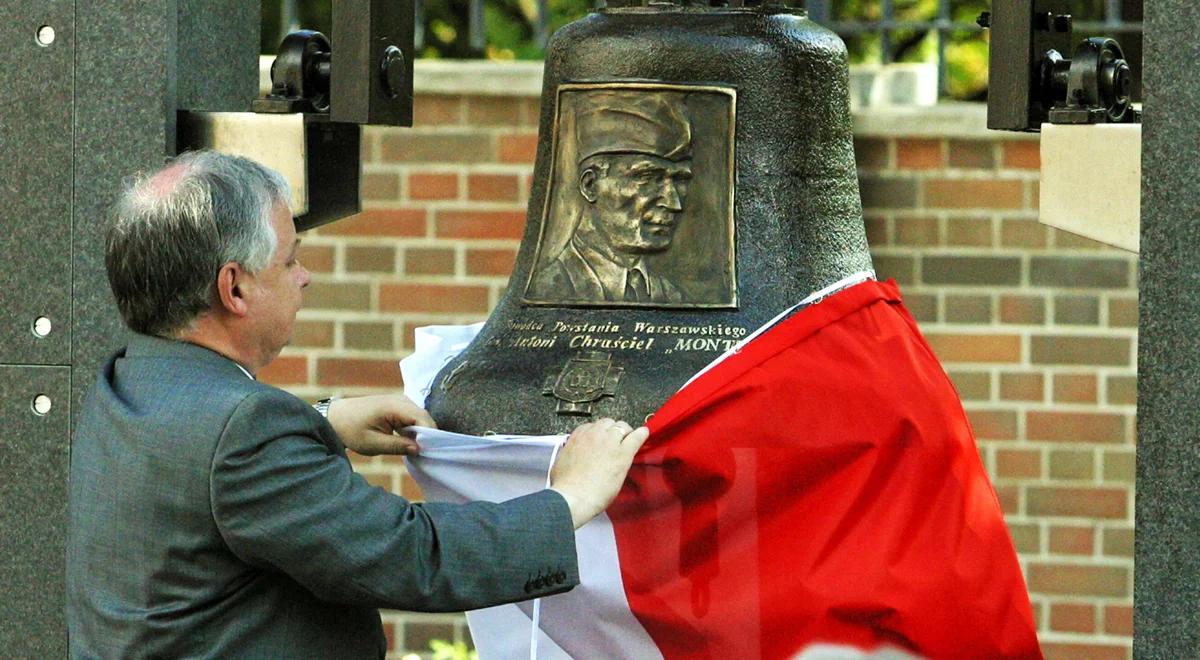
{"points": [[510, 31]]}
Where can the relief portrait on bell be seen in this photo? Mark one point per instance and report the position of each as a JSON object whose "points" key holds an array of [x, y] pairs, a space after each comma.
{"points": [[639, 208]]}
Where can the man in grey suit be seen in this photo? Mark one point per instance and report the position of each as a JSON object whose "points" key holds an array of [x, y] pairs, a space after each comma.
{"points": [[212, 515]]}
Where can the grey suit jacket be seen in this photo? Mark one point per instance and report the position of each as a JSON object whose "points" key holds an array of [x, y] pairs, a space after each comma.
{"points": [[214, 516]]}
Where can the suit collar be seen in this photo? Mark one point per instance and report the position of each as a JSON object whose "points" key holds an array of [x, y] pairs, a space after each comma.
{"points": [[157, 347], [603, 269], [583, 278]]}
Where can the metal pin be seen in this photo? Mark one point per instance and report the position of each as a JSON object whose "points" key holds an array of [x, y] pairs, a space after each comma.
{"points": [[42, 404], [45, 35]]}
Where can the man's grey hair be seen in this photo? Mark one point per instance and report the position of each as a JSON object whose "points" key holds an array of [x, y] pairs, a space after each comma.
{"points": [[171, 231]]}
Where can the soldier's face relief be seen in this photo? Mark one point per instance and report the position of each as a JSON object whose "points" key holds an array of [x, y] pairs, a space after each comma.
{"points": [[637, 200]]}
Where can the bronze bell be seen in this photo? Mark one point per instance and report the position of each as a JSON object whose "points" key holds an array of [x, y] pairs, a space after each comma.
{"points": [[695, 176]]}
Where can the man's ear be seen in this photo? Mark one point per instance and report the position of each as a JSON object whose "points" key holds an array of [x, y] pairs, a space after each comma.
{"points": [[231, 282], [587, 183]]}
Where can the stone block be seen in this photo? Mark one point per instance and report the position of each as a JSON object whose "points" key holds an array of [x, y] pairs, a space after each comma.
{"points": [[429, 186], [1067, 426], [1016, 386], [965, 270], [990, 347], [370, 259], [973, 154], [1072, 465], [429, 261], [1077, 310], [444, 147], [358, 372], [1080, 350], [974, 194], [406, 222], [880, 192], [1079, 272], [1079, 502], [918, 154], [1078, 580], [368, 335], [479, 224], [968, 309], [487, 261], [436, 298]]}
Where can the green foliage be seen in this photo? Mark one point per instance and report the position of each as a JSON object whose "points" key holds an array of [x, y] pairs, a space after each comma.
{"points": [[966, 50], [312, 15], [509, 27], [443, 650], [510, 31]]}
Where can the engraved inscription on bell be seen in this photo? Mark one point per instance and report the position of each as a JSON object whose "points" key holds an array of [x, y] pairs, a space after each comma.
{"points": [[640, 207], [584, 379]]}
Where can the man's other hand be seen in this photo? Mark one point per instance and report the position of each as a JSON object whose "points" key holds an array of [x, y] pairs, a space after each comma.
{"points": [[592, 465], [370, 425]]}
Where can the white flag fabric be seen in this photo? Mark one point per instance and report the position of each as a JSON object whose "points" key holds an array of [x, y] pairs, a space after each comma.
{"points": [[595, 615], [434, 346]]}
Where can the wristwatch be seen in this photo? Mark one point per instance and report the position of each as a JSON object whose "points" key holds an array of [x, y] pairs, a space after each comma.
{"points": [[322, 406]]}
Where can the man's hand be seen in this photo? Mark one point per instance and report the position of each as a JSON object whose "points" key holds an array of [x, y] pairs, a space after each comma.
{"points": [[592, 465], [370, 424]]}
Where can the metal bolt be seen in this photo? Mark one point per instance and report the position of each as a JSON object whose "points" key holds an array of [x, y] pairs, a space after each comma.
{"points": [[393, 72], [45, 35], [42, 327], [42, 404]]}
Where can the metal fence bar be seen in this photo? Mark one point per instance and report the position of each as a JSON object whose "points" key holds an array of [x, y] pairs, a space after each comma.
{"points": [[943, 35], [818, 10], [854, 27], [475, 24], [1098, 27], [942, 26], [419, 25], [885, 34], [849, 28], [289, 17], [1112, 12], [541, 27]]}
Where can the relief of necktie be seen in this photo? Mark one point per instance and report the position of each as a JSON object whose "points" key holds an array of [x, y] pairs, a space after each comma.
{"points": [[636, 288]]}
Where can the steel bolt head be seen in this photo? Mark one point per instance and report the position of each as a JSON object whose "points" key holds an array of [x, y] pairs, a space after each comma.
{"points": [[392, 70]]}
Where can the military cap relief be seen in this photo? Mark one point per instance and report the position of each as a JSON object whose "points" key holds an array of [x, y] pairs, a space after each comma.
{"points": [[640, 205]]}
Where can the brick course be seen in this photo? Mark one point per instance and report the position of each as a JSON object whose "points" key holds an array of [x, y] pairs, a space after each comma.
{"points": [[919, 154], [431, 186], [1036, 327]]}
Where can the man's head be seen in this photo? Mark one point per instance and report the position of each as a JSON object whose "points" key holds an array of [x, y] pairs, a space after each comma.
{"points": [[634, 199], [208, 238], [634, 168]]}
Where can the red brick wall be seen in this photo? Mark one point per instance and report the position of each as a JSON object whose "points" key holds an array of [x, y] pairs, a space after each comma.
{"points": [[1036, 327]]}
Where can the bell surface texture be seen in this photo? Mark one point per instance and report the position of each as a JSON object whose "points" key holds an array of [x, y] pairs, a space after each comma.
{"points": [[695, 176]]}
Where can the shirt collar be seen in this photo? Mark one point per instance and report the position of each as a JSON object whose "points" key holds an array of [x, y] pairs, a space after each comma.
{"points": [[244, 370]]}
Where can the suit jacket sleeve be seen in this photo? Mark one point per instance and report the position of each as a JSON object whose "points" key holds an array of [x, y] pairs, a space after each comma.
{"points": [[286, 501]]}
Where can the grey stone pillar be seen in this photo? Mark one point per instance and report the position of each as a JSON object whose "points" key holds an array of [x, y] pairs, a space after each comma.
{"points": [[1167, 559], [91, 92]]}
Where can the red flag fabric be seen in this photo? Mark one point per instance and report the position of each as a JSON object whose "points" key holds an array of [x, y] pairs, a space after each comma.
{"points": [[821, 486]]}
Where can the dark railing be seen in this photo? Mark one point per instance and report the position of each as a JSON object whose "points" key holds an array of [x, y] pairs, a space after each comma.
{"points": [[1120, 19], [942, 26]]}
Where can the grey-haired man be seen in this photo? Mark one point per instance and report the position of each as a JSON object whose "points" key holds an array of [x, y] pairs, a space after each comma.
{"points": [[216, 516]]}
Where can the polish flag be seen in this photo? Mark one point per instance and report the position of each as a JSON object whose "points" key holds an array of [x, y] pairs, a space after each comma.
{"points": [[815, 494]]}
